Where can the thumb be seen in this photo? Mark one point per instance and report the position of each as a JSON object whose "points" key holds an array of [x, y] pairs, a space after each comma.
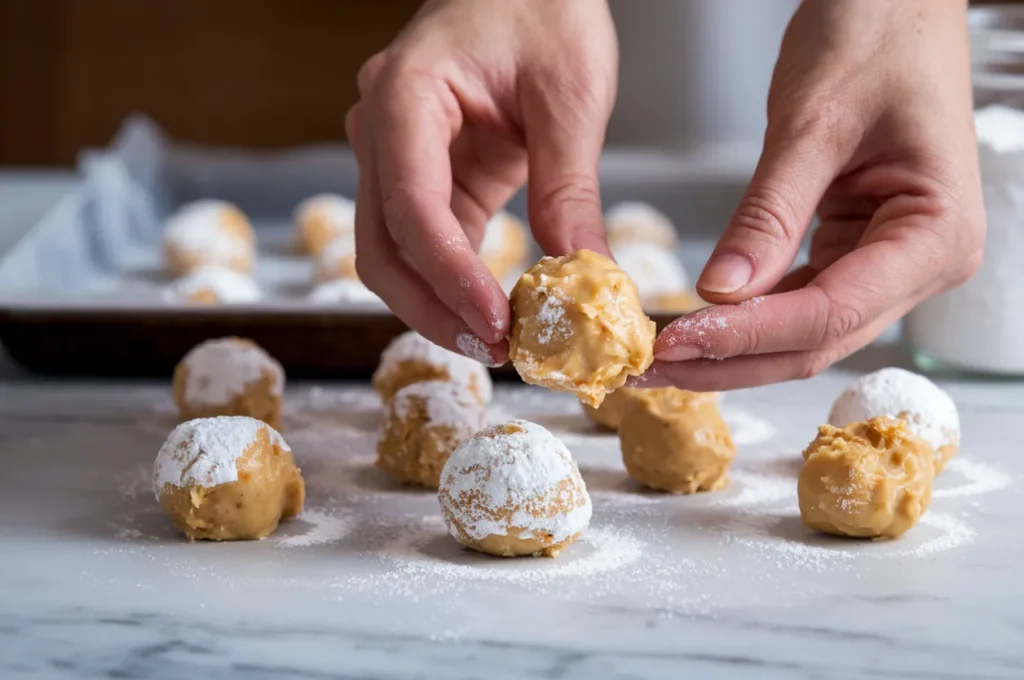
{"points": [[563, 146], [764, 234]]}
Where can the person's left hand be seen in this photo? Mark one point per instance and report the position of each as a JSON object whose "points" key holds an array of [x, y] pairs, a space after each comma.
{"points": [[870, 124]]}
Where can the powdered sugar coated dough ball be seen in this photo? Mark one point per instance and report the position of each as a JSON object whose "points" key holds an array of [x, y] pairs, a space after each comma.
{"points": [[345, 291], [322, 218], [208, 232], [411, 358], [514, 490], [506, 244], [337, 260], [927, 410], [229, 377], [213, 285], [637, 222], [655, 270], [422, 425], [227, 478]]}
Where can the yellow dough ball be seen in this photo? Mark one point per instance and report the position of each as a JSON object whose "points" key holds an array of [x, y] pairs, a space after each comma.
{"points": [[506, 244], [578, 326], [871, 479], [676, 441], [208, 233], [227, 478], [636, 222], [411, 358], [514, 490], [229, 377], [611, 411], [321, 219], [337, 260], [423, 424]]}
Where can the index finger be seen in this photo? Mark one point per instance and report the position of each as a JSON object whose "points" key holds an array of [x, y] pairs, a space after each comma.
{"points": [[416, 118]]}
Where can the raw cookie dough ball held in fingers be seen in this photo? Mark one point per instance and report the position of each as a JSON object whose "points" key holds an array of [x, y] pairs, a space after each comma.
{"points": [[676, 441], [514, 490], [321, 219], [229, 377], [208, 233], [871, 479], [927, 410], [578, 326], [227, 478], [411, 358], [423, 424]]}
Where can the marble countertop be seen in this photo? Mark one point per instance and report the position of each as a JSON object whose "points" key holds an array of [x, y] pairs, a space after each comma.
{"points": [[95, 583]]}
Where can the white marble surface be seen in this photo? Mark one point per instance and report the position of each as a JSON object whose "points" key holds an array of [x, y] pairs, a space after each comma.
{"points": [[95, 583]]}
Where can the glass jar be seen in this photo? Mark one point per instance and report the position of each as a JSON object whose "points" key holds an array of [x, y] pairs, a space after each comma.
{"points": [[979, 327]]}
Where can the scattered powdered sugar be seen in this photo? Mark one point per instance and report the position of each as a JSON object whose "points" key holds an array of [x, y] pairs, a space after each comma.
{"points": [[198, 227], [337, 212], [474, 348], [747, 429], [506, 476], [928, 411], [227, 286], [221, 369], [758, 489], [445, 403], [325, 528], [981, 479], [205, 451], [411, 346], [654, 269], [344, 290], [635, 221], [550, 318]]}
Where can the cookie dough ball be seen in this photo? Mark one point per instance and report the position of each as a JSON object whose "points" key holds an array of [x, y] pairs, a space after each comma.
{"points": [[411, 358], [321, 219], [514, 490], [337, 260], [208, 233], [676, 441], [229, 377], [578, 326], [422, 426], [637, 222], [928, 411], [611, 411], [345, 291], [679, 302], [655, 271], [227, 478], [214, 285], [871, 479], [506, 245]]}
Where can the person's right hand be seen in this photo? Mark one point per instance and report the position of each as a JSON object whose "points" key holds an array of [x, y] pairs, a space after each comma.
{"points": [[470, 100]]}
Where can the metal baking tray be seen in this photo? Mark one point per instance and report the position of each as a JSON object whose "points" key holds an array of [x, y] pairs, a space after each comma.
{"points": [[82, 292]]}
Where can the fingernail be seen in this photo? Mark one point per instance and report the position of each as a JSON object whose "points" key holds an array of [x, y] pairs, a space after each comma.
{"points": [[726, 273], [476, 321], [476, 349], [679, 353]]}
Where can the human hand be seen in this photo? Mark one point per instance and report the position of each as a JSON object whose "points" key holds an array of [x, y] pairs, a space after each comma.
{"points": [[869, 123], [472, 98]]}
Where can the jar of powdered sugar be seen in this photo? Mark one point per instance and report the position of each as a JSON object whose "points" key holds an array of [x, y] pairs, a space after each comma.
{"points": [[979, 327]]}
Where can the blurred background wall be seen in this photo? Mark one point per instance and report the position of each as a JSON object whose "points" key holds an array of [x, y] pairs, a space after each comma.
{"points": [[270, 73]]}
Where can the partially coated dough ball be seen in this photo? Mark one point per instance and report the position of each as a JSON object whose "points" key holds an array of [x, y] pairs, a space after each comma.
{"points": [[871, 479], [514, 490], [227, 478], [321, 219], [423, 424], [411, 358], [229, 377], [208, 232], [637, 222], [676, 441], [214, 285], [657, 272], [928, 411], [337, 260], [578, 326], [506, 244]]}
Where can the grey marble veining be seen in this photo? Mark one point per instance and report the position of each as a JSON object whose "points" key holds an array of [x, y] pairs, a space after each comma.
{"points": [[94, 582]]}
